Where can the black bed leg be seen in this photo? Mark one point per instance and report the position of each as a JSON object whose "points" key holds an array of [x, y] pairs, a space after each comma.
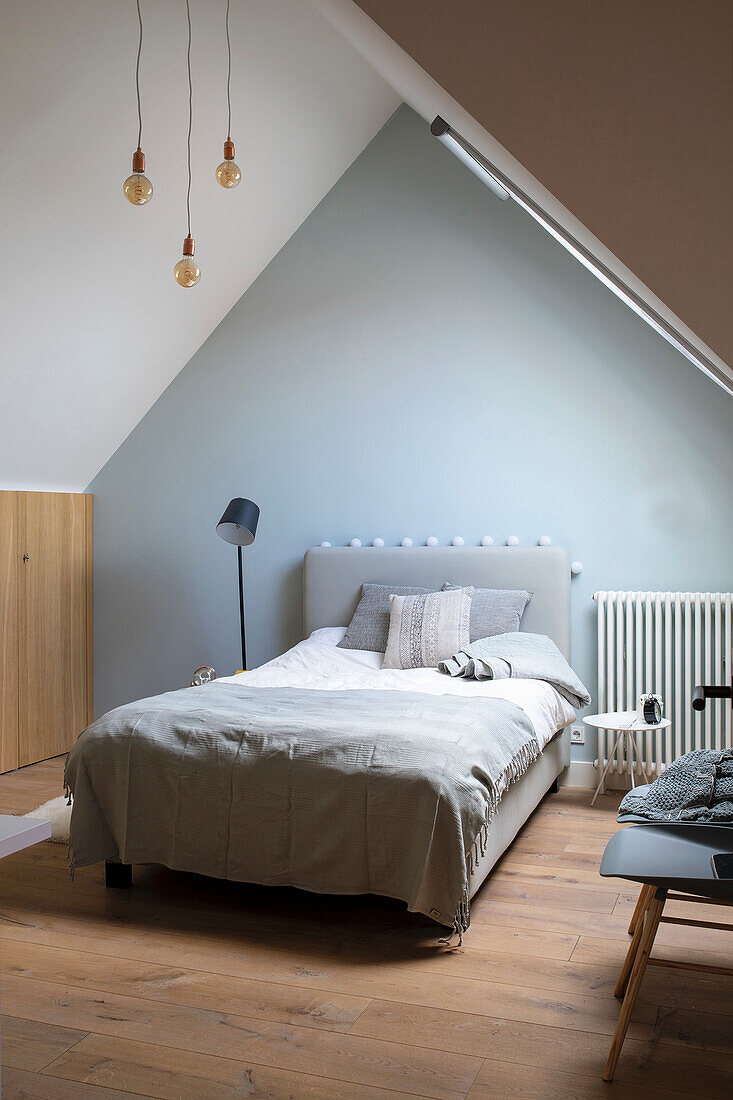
{"points": [[117, 875], [555, 785]]}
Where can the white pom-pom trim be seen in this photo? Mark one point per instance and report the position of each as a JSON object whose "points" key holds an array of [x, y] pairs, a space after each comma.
{"points": [[457, 541], [407, 541], [355, 542], [545, 540], [377, 542], [512, 541], [325, 544], [431, 541], [487, 541], [576, 567]]}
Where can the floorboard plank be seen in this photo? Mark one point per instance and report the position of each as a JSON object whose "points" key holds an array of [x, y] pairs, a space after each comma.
{"points": [[172, 1074], [556, 1049], [554, 874], [503, 888], [279, 1002], [28, 1044], [498, 1079], [595, 977], [571, 1010], [352, 1058], [584, 923], [663, 986], [22, 1085]]}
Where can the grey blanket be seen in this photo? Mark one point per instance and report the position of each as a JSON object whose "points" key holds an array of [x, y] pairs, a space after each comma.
{"points": [[346, 792], [520, 656], [695, 787]]}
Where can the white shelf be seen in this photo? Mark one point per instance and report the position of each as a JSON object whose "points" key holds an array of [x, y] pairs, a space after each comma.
{"points": [[17, 833]]}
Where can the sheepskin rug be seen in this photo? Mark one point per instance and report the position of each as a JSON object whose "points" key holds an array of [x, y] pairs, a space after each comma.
{"points": [[59, 814]]}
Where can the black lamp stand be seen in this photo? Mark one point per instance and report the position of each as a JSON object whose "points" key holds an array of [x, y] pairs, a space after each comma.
{"points": [[241, 608]]}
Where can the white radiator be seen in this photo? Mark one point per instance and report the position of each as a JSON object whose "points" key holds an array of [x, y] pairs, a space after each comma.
{"points": [[665, 642]]}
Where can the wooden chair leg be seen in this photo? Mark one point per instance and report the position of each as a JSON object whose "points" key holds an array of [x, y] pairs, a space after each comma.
{"points": [[649, 931], [642, 902], [637, 922]]}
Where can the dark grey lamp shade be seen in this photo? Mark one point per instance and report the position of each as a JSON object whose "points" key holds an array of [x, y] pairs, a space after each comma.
{"points": [[238, 525]]}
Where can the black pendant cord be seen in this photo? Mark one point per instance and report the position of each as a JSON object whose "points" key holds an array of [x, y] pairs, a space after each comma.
{"points": [[241, 608], [137, 77], [229, 76], [190, 116]]}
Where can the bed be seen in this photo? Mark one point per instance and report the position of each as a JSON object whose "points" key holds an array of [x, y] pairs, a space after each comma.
{"points": [[325, 771], [332, 577]]}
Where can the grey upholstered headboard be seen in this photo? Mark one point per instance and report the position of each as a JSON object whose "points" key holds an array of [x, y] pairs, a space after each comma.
{"points": [[333, 576]]}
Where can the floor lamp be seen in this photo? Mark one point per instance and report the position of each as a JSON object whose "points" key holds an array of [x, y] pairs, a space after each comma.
{"points": [[238, 526]]}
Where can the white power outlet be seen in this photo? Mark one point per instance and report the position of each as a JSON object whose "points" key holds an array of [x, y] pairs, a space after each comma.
{"points": [[577, 735]]}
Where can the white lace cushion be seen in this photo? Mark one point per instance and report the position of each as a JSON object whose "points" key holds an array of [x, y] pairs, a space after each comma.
{"points": [[427, 628]]}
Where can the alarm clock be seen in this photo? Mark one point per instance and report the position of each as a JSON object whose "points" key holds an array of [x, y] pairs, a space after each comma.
{"points": [[649, 709], [204, 674]]}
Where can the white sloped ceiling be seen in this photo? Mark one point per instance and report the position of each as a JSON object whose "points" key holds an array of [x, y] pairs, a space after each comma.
{"points": [[94, 326]]}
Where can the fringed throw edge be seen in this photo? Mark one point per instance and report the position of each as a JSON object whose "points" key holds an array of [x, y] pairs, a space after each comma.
{"points": [[71, 858], [519, 764]]}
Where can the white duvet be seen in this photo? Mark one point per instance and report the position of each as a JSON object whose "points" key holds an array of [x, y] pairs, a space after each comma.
{"points": [[318, 663]]}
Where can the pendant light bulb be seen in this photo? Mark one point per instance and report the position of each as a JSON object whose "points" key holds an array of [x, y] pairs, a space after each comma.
{"points": [[187, 271], [228, 174], [137, 188]]}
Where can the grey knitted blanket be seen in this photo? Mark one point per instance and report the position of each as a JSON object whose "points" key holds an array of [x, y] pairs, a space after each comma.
{"points": [[344, 792], [695, 787], [520, 656]]}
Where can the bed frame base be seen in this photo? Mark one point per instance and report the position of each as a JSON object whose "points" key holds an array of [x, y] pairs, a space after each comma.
{"points": [[117, 876], [519, 802]]}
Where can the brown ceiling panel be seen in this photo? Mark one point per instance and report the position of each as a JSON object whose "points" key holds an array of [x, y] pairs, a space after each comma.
{"points": [[622, 109]]}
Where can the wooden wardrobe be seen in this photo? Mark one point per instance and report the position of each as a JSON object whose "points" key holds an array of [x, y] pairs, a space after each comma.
{"points": [[46, 654]]}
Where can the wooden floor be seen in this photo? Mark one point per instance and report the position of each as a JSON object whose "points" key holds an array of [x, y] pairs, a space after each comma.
{"points": [[186, 987]]}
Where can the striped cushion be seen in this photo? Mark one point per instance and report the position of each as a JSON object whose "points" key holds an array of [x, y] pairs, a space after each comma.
{"points": [[427, 628]]}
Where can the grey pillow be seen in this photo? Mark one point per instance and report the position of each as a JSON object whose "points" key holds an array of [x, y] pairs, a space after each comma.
{"points": [[369, 625], [429, 628], [494, 610]]}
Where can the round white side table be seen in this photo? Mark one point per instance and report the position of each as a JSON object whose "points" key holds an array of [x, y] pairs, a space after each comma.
{"points": [[625, 724]]}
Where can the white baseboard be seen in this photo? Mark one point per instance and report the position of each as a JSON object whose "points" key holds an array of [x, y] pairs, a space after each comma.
{"points": [[580, 773], [583, 773]]}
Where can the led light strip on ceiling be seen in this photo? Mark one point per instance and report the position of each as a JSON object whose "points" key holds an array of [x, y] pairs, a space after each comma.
{"points": [[504, 188]]}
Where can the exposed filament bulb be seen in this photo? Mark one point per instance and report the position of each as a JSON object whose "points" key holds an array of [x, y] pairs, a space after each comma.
{"points": [[228, 174], [187, 271], [137, 188]]}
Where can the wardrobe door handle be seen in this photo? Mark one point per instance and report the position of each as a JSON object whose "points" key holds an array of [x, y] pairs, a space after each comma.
{"points": [[26, 558]]}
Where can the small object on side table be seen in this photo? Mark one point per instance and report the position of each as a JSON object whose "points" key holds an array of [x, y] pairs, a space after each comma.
{"points": [[204, 674], [625, 724]]}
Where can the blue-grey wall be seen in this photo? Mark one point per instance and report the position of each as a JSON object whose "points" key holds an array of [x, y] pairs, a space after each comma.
{"points": [[419, 359]]}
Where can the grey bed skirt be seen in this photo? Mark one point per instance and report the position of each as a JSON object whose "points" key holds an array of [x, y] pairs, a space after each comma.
{"points": [[519, 801]]}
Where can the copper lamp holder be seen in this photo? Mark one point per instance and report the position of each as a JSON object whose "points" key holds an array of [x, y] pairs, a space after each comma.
{"points": [[189, 246], [228, 149], [138, 160]]}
